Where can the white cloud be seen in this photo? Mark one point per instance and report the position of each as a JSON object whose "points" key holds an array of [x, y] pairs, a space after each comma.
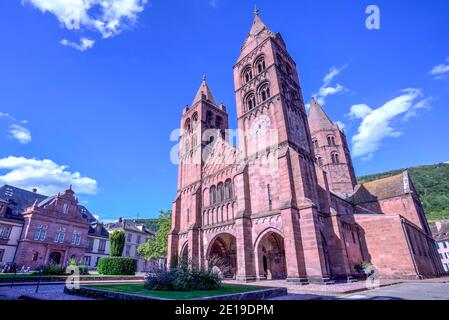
{"points": [[45, 175], [21, 134], [440, 71], [326, 89], [82, 46], [108, 17], [341, 125], [359, 111], [377, 125]]}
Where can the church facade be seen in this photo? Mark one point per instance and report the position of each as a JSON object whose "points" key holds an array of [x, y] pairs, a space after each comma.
{"points": [[285, 203]]}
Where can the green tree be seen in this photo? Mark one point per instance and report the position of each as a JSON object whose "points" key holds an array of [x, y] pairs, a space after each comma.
{"points": [[117, 240], [158, 247]]}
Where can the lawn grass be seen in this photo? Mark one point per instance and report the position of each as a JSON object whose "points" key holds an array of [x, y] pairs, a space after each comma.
{"points": [[139, 289]]}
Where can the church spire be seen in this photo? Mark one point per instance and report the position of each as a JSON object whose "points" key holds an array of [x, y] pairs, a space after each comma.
{"points": [[204, 92], [318, 119], [258, 25]]}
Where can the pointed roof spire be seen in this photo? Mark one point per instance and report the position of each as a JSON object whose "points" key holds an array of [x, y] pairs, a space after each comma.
{"points": [[318, 119], [204, 92], [256, 11], [258, 25]]}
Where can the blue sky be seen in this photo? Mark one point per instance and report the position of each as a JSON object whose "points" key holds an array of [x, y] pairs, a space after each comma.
{"points": [[100, 110]]}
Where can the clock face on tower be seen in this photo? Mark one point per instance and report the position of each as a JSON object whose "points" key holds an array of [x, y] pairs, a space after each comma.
{"points": [[260, 127]]}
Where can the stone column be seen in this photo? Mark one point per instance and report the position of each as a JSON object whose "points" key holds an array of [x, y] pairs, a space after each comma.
{"points": [[337, 248], [245, 252], [293, 246], [314, 259]]}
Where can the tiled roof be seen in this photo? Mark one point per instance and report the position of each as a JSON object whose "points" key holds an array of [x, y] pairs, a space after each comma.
{"points": [[394, 186], [19, 200], [128, 225], [204, 91], [318, 119]]}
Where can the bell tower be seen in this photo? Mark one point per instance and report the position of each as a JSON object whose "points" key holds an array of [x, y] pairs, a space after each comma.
{"points": [[201, 125], [273, 126], [268, 92]]}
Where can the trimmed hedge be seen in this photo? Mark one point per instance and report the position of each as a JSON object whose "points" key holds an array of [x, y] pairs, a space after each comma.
{"points": [[114, 266]]}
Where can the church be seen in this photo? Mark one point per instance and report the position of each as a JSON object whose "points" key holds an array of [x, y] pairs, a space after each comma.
{"points": [[285, 203]]}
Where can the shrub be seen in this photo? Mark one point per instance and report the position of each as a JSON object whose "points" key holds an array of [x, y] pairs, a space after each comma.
{"points": [[365, 269], [83, 270], [182, 279], [53, 270], [117, 266], [117, 240]]}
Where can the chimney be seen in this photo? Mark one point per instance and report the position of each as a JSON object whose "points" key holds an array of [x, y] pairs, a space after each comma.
{"points": [[34, 190], [120, 220]]}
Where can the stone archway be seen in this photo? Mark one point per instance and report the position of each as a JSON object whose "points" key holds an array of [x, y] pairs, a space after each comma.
{"points": [[54, 258], [184, 256], [222, 255], [271, 262]]}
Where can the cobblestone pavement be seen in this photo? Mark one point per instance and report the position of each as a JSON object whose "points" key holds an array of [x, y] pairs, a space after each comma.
{"points": [[46, 292], [405, 291], [316, 289]]}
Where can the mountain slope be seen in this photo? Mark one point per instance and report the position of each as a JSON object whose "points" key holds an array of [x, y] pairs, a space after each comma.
{"points": [[432, 183]]}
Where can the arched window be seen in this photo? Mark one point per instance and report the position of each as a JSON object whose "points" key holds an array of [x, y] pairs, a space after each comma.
{"points": [[247, 74], [335, 158], [209, 118], [221, 192], [315, 143], [187, 145], [211, 139], [264, 92], [250, 101], [331, 140], [194, 142], [195, 120], [218, 122], [260, 64], [187, 126], [213, 195], [229, 193], [319, 160]]}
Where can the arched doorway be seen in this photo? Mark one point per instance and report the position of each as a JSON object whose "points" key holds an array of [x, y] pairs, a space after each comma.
{"points": [[54, 258], [271, 257], [185, 254], [222, 255]]}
